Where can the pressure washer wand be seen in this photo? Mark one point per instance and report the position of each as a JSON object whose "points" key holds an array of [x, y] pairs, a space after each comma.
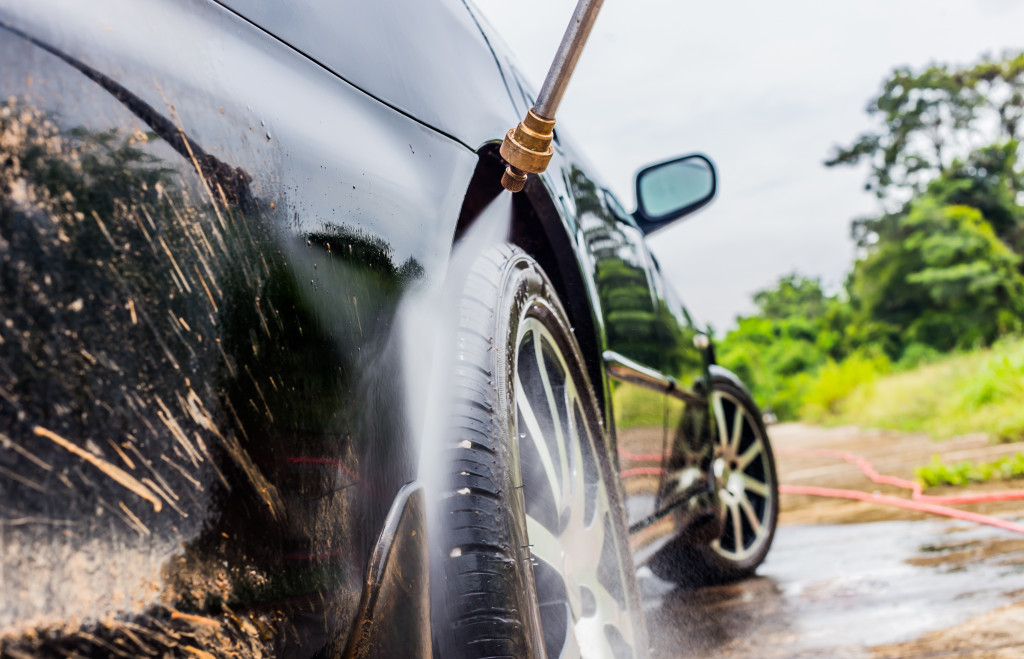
{"points": [[527, 148]]}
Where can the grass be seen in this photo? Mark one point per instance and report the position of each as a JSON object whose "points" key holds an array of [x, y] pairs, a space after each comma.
{"points": [[825, 395], [963, 473], [977, 391]]}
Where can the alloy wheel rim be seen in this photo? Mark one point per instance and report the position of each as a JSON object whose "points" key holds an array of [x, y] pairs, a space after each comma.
{"points": [[581, 587], [745, 480]]}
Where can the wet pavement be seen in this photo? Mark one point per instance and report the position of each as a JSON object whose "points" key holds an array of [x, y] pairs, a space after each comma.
{"points": [[861, 588], [840, 590]]}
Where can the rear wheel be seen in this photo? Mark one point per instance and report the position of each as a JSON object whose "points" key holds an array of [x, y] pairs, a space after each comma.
{"points": [[748, 496], [532, 539], [748, 490]]}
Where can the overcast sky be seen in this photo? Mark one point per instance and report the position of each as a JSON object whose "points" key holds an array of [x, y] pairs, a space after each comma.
{"points": [[765, 89]]}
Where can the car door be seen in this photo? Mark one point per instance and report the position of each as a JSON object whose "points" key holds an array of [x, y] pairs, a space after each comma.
{"points": [[655, 372], [621, 271]]}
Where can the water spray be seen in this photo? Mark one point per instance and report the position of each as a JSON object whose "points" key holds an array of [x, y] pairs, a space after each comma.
{"points": [[527, 148]]}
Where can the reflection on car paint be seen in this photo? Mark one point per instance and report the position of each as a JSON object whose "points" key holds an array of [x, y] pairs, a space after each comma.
{"points": [[662, 438], [193, 378]]}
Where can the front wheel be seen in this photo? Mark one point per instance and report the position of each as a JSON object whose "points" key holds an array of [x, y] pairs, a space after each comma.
{"points": [[532, 541]]}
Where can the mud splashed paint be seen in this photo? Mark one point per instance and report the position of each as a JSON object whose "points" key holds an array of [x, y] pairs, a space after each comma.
{"points": [[120, 476]]}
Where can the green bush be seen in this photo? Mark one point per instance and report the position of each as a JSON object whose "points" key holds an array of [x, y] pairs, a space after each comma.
{"points": [[999, 379], [938, 473], [835, 381], [916, 354]]}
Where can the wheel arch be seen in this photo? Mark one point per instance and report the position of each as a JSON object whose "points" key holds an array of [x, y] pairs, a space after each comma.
{"points": [[719, 372], [552, 247]]}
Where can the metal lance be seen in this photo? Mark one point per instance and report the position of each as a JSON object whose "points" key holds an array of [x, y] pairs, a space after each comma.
{"points": [[527, 148]]}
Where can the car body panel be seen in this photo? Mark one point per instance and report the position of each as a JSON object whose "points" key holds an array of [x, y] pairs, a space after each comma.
{"points": [[211, 215], [200, 386], [427, 59]]}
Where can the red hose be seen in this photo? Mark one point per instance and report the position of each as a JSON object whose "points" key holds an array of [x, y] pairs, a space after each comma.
{"points": [[936, 505], [641, 471], [916, 491], [919, 501], [639, 457]]}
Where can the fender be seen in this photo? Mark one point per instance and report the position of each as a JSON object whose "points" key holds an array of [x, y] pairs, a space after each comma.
{"points": [[717, 371], [394, 615]]}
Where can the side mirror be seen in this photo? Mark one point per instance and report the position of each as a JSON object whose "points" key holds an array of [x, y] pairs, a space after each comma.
{"points": [[669, 190]]}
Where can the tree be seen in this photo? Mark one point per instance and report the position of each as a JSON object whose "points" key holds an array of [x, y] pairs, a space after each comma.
{"points": [[928, 119], [793, 295], [989, 181], [796, 329], [941, 278]]}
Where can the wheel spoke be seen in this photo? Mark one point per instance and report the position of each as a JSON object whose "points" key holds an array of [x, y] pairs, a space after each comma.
{"points": [[544, 545], [610, 610], [534, 433], [556, 417], [578, 502], [752, 452], [737, 525], [584, 543], [748, 510], [547, 547], [590, 630], [716, 405], [737, 429], [751, 484]]}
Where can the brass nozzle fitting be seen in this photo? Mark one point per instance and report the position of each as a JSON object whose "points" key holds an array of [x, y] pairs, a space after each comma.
{"points": [[513, 180], [527, 149]]}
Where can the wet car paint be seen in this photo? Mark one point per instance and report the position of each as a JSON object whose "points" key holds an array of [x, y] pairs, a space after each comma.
{"points": [[207, 235], [394, 51], [196, 323]]}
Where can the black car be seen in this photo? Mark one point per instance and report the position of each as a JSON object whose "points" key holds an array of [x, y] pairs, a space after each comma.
{"points": [[285, 372]]}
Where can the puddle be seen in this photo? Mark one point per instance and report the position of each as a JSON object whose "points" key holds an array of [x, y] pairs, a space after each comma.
{"points": [[843, 588]]}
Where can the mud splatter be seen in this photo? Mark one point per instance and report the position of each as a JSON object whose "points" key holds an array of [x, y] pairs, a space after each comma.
{"points": [[120, 476]]}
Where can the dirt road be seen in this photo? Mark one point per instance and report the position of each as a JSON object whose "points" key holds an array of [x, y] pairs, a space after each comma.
{"points": [[853, 579]]}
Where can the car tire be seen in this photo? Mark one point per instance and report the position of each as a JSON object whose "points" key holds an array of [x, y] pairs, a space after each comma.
{"points": [[531, 543], [748, 497]]}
